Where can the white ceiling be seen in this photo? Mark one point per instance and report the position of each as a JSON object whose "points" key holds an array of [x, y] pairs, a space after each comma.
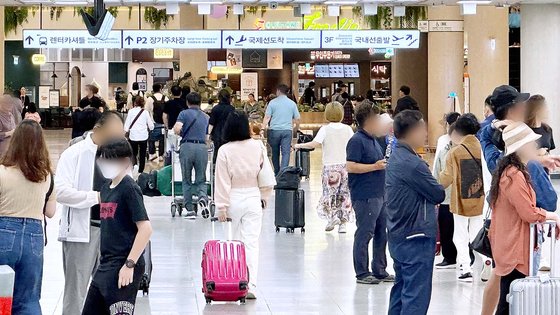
{"points": [[257, 2]]}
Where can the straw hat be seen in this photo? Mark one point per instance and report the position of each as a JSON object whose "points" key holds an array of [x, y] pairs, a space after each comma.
{"points": [[517, 135]]}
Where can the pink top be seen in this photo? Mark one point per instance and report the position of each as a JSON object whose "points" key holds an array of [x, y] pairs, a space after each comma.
{"points": [[238, 166], [33, 116]]}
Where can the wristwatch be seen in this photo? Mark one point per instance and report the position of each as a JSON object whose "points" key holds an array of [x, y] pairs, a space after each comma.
{"points": [[130, 263]]}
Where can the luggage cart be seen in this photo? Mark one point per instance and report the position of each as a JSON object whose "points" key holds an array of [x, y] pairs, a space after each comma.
{"points": [[206, 206], [178, 202]]}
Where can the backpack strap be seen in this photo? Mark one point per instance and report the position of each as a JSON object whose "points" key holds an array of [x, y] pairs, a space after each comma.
{"points": [[47, 197]]}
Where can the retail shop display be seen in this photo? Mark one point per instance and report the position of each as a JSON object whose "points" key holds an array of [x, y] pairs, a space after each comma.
{"points": [[536, 295], [289, 210], [225, 276]]}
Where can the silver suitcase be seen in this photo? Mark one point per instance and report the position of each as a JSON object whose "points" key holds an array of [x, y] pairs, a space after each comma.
{"points": [[536, 295]]}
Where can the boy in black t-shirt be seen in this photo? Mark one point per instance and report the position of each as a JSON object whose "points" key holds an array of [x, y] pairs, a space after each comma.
{"points": [[125, 232]]}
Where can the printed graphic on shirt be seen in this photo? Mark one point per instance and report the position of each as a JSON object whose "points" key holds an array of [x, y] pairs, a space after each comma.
{"points": [[122, 308], [472, 186], [108, 210]]}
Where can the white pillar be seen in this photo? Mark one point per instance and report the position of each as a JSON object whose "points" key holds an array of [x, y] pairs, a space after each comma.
{"points": [[540, 56]]}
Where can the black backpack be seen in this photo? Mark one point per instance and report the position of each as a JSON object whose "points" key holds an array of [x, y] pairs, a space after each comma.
{"points": [[288, 178]]}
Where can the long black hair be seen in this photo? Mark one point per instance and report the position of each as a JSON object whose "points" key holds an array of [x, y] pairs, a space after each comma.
{"points": [[507, 161]]}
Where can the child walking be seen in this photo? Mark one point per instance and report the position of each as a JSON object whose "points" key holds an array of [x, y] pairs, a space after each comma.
{"points": [[125, 232]]}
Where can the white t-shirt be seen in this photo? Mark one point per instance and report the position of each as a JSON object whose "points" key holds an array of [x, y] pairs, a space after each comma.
{"points": [[441, 143], [334, 137], [144, 123]]}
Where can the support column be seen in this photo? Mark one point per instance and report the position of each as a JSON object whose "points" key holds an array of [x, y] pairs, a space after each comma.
{"points": [[2, 48], [445, 75], [540, 56], [193, 60], [488, 65]]}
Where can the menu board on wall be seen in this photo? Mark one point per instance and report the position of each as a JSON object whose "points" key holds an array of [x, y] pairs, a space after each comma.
{"points": [[321, 70], [336, 70], [351, 70]]}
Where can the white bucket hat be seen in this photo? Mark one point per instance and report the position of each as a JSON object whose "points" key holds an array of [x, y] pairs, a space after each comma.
{"points": [[517, 135]]}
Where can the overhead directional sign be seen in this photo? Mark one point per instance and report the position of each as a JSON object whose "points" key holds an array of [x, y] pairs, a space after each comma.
{"points": [[216, 39], [271, 39], [68, 39], [175, 39], [370, 39]]}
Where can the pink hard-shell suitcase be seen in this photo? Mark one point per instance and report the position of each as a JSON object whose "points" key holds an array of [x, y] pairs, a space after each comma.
{"points": [[224, 270]]}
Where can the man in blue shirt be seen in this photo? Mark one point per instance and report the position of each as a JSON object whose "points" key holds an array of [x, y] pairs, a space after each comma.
{"points": [[282, 113], [412, 194], [192, 125], [366, 179]]}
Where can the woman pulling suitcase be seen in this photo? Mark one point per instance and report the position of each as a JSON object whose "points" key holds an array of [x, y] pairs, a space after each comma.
{"points": [[244, 181]]}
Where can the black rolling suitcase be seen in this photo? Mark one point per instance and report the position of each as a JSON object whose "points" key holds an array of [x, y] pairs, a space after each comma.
{"points": [[147, 276], [303, 161], [290, 210]]}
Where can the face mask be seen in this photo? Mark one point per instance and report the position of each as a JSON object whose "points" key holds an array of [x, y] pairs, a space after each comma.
{"points": [[110, 170]]}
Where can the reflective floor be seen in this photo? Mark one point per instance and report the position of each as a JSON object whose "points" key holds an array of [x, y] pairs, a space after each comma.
{"points": [[309, 273]]}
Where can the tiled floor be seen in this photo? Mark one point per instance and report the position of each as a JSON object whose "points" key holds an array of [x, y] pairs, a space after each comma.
{"points": [[309, 273]]}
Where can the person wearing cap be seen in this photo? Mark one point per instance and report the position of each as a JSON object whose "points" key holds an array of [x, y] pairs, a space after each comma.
{"points": [[508, 105], [405, 101], [513, 202], [332, 138]]}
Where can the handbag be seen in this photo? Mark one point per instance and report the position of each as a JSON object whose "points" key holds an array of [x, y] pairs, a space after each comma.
{"points": [[266, 177], [481, 243], [127, 134]]}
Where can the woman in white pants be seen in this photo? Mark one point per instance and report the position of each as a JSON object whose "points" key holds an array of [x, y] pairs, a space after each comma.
{"points": [[237, 192], [463, 172]]}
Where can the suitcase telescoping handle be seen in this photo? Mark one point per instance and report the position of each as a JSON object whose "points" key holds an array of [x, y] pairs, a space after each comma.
{"points": [[228, 221], [532, 234]]}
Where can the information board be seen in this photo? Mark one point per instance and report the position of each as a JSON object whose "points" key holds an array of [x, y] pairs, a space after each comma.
{"points": [[271, 39], [370, 39], [176, 39], [68, 39]]}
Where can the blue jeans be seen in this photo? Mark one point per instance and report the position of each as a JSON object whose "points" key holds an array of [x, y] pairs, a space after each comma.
{"points": [[21, 248], [193, 156], [281, 143], [371, 220], [414, 260]]}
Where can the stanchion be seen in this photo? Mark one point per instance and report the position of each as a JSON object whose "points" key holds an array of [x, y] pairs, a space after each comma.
{"points": [[7, 277]]}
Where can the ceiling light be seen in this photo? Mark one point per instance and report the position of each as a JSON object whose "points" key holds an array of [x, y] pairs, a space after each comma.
{"points": [[172, 8], [305, 8], [474, 2], [370, 9], [340, 2], [204, 8], [468, 8], [206, 2], [399, 10], [238, 9], [333, 10], [71, 2]]}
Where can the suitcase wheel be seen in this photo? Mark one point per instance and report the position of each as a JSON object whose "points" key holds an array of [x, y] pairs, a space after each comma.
{"points": [[290, 230], [174, 210], [242, 300], [302, 230], [208, 301], [277, 230], [145, 291]]}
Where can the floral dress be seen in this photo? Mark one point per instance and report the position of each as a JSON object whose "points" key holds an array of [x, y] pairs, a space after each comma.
{"points": [[335, 201]]}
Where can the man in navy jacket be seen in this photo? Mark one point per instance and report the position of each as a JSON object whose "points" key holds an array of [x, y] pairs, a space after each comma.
{"points": [[412, 195]]}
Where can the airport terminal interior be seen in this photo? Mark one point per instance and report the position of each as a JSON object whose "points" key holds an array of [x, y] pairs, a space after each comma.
{"points": [[360, 149]]}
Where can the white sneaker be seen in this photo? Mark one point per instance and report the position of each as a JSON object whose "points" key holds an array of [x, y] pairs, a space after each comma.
{"points": [[342, 228], [330, 226], [191, 215], [486, 270], [135, 171]]}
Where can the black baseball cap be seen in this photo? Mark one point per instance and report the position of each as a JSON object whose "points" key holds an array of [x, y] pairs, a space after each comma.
{"points": [[507, 95]]}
